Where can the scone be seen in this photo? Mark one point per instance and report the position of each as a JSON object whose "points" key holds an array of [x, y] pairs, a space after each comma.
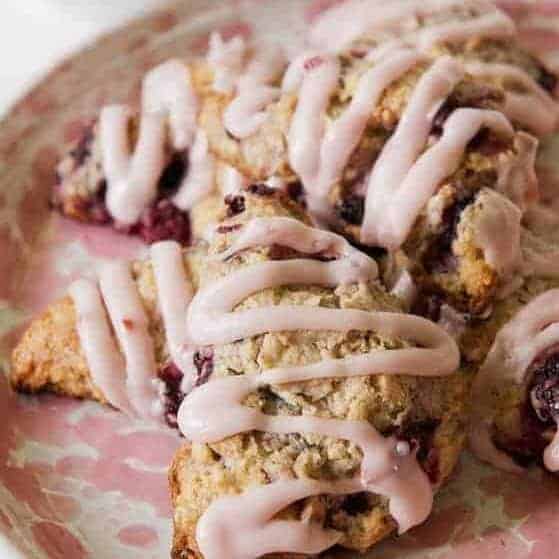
{"points": [[394, 139], [317, 385], [146, 171], [515, 395], [56, 354]]}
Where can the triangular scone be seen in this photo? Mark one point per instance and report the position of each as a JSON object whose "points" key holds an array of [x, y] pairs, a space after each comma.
{"points": [[316, 133], [425, 413], [49, 356]]}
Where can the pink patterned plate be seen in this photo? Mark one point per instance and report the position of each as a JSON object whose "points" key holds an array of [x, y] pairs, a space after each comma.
{"points": [[78, 480]]}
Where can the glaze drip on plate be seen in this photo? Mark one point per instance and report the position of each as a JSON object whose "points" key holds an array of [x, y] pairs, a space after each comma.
{"points": [[389, 466]]}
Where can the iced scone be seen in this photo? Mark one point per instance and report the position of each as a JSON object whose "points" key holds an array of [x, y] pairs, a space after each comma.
{"points": [[330, 416], [394, 129], [515, 398], [148, 171]]}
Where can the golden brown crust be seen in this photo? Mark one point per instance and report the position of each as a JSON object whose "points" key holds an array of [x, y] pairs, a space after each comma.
{"points": [[49, 356]]}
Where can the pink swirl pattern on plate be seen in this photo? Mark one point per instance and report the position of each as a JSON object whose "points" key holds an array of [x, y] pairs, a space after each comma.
{"points": [[78, 480]]}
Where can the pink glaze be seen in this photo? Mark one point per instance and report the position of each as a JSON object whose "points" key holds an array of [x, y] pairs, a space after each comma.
{"points": [[174, 293], [245, 113], [289, 232], [259, 506], [517, 178], [319, 80], [497, 232], [226, 58], [107, 366], [392, 207], [535, 109], [337, 28], [231, 181], [131, 179], [168, 88], [495, 25], [130, 324], [395, 194], [320, 156], [405, 289], [534, 329], [199, 181], [388, 468]]}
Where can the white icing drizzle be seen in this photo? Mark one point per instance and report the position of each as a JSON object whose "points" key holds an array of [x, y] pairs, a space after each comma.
{"points": [[405, 289], [130, 325], [168, 88], [495, 25], [319, 156], [392, 207], [107, 367], [337, 28], [126, 377], [132, 178], [245, 113], [395, 162], [199, 181], [259, 506], [231, 181], [174, 293], [535, 109], [226, 58], [517, 177], [534, 329], [240, 527]]}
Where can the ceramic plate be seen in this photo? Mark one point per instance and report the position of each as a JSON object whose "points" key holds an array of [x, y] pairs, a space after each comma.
{"points": [[78, 480]]}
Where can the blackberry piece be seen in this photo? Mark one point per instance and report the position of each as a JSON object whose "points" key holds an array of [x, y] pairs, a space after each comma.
{"points": [[351, 209]]}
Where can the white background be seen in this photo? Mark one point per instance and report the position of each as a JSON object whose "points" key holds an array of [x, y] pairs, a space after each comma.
{"points": [[35, 34]]}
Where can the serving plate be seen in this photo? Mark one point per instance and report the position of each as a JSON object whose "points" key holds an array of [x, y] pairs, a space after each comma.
{"points": [[78, 480]]}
